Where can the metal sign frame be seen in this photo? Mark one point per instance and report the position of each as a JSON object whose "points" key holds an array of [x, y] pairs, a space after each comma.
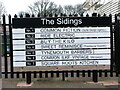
{"points": [[27, 22]]}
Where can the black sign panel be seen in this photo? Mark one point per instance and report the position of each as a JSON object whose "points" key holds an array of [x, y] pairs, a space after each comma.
{"points": [[30, 52], [30, 46], [60, 22], [30, 57], [30, 63], [29, 42], [30, 36], [29, 30]]}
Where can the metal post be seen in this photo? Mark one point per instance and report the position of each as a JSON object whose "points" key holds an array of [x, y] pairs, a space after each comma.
{"points": [[0, 55], [117, 42], [0, 60], [11, 46], [5, 46], [95, 76], [28, 77], [111, 44], [63, 76]]}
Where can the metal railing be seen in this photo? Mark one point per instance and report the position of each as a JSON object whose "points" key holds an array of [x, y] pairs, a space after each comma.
{"points": [[65, 73]]}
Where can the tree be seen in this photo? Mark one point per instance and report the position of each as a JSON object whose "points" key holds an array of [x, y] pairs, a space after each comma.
{"points": [[2, 10], [59, 10], [51, 8], [76, 9], [46, 8], [43, 7], [69, 9], [22, 13]]}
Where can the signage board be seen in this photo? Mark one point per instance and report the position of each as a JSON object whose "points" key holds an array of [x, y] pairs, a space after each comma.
{"points": [[61, 46]]}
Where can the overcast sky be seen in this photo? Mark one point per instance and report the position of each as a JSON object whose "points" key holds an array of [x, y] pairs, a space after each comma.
{"points": [[14, 6]]}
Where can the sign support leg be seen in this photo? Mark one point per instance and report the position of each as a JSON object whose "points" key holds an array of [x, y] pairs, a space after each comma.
{"points": [[95, 76], [0, 62], [28, 77], [63, 76], [0, 56]]}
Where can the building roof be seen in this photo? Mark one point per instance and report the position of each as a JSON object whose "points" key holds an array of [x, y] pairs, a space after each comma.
{"points": [[88, 4]]}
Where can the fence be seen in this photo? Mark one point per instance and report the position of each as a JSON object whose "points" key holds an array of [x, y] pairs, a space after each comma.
{"points": [[0, 56], [8, 44], [35, 22]]}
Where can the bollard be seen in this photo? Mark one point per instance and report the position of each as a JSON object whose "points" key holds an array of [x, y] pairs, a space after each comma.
{"points": [[28, 77], [95, 76]]}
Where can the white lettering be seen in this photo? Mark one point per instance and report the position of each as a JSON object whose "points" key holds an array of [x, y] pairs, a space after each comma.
{"points": [[65, 21], [46, 21]]}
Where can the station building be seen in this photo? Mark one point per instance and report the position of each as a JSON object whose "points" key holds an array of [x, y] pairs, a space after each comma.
{"points": [[112, 7], [108, 7]]}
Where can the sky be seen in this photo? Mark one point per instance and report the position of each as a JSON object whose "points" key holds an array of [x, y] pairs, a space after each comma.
{"points": [[15, 6]]}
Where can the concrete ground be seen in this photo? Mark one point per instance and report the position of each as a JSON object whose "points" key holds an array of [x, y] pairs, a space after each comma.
{"points": [[82, 82], [70, 82]]}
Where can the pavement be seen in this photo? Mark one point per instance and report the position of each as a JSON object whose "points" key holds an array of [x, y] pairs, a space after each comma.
{"points": [[74, 82], [0, 84], [70, 82]]}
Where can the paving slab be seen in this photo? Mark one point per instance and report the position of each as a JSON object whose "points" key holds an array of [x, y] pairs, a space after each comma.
{"points": [[58, 83], [0, 84], [24, 84]]}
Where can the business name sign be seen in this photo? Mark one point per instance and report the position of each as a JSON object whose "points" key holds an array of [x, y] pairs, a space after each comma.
{"points": [[61, 41], [61, 22], [62, 45]]}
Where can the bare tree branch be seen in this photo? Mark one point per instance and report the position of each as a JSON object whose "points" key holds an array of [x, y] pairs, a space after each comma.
{"points": [[45, 8], [2, 10]]}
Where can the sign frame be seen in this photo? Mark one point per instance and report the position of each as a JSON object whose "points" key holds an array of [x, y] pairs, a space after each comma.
{"points": [[86, 22]]}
